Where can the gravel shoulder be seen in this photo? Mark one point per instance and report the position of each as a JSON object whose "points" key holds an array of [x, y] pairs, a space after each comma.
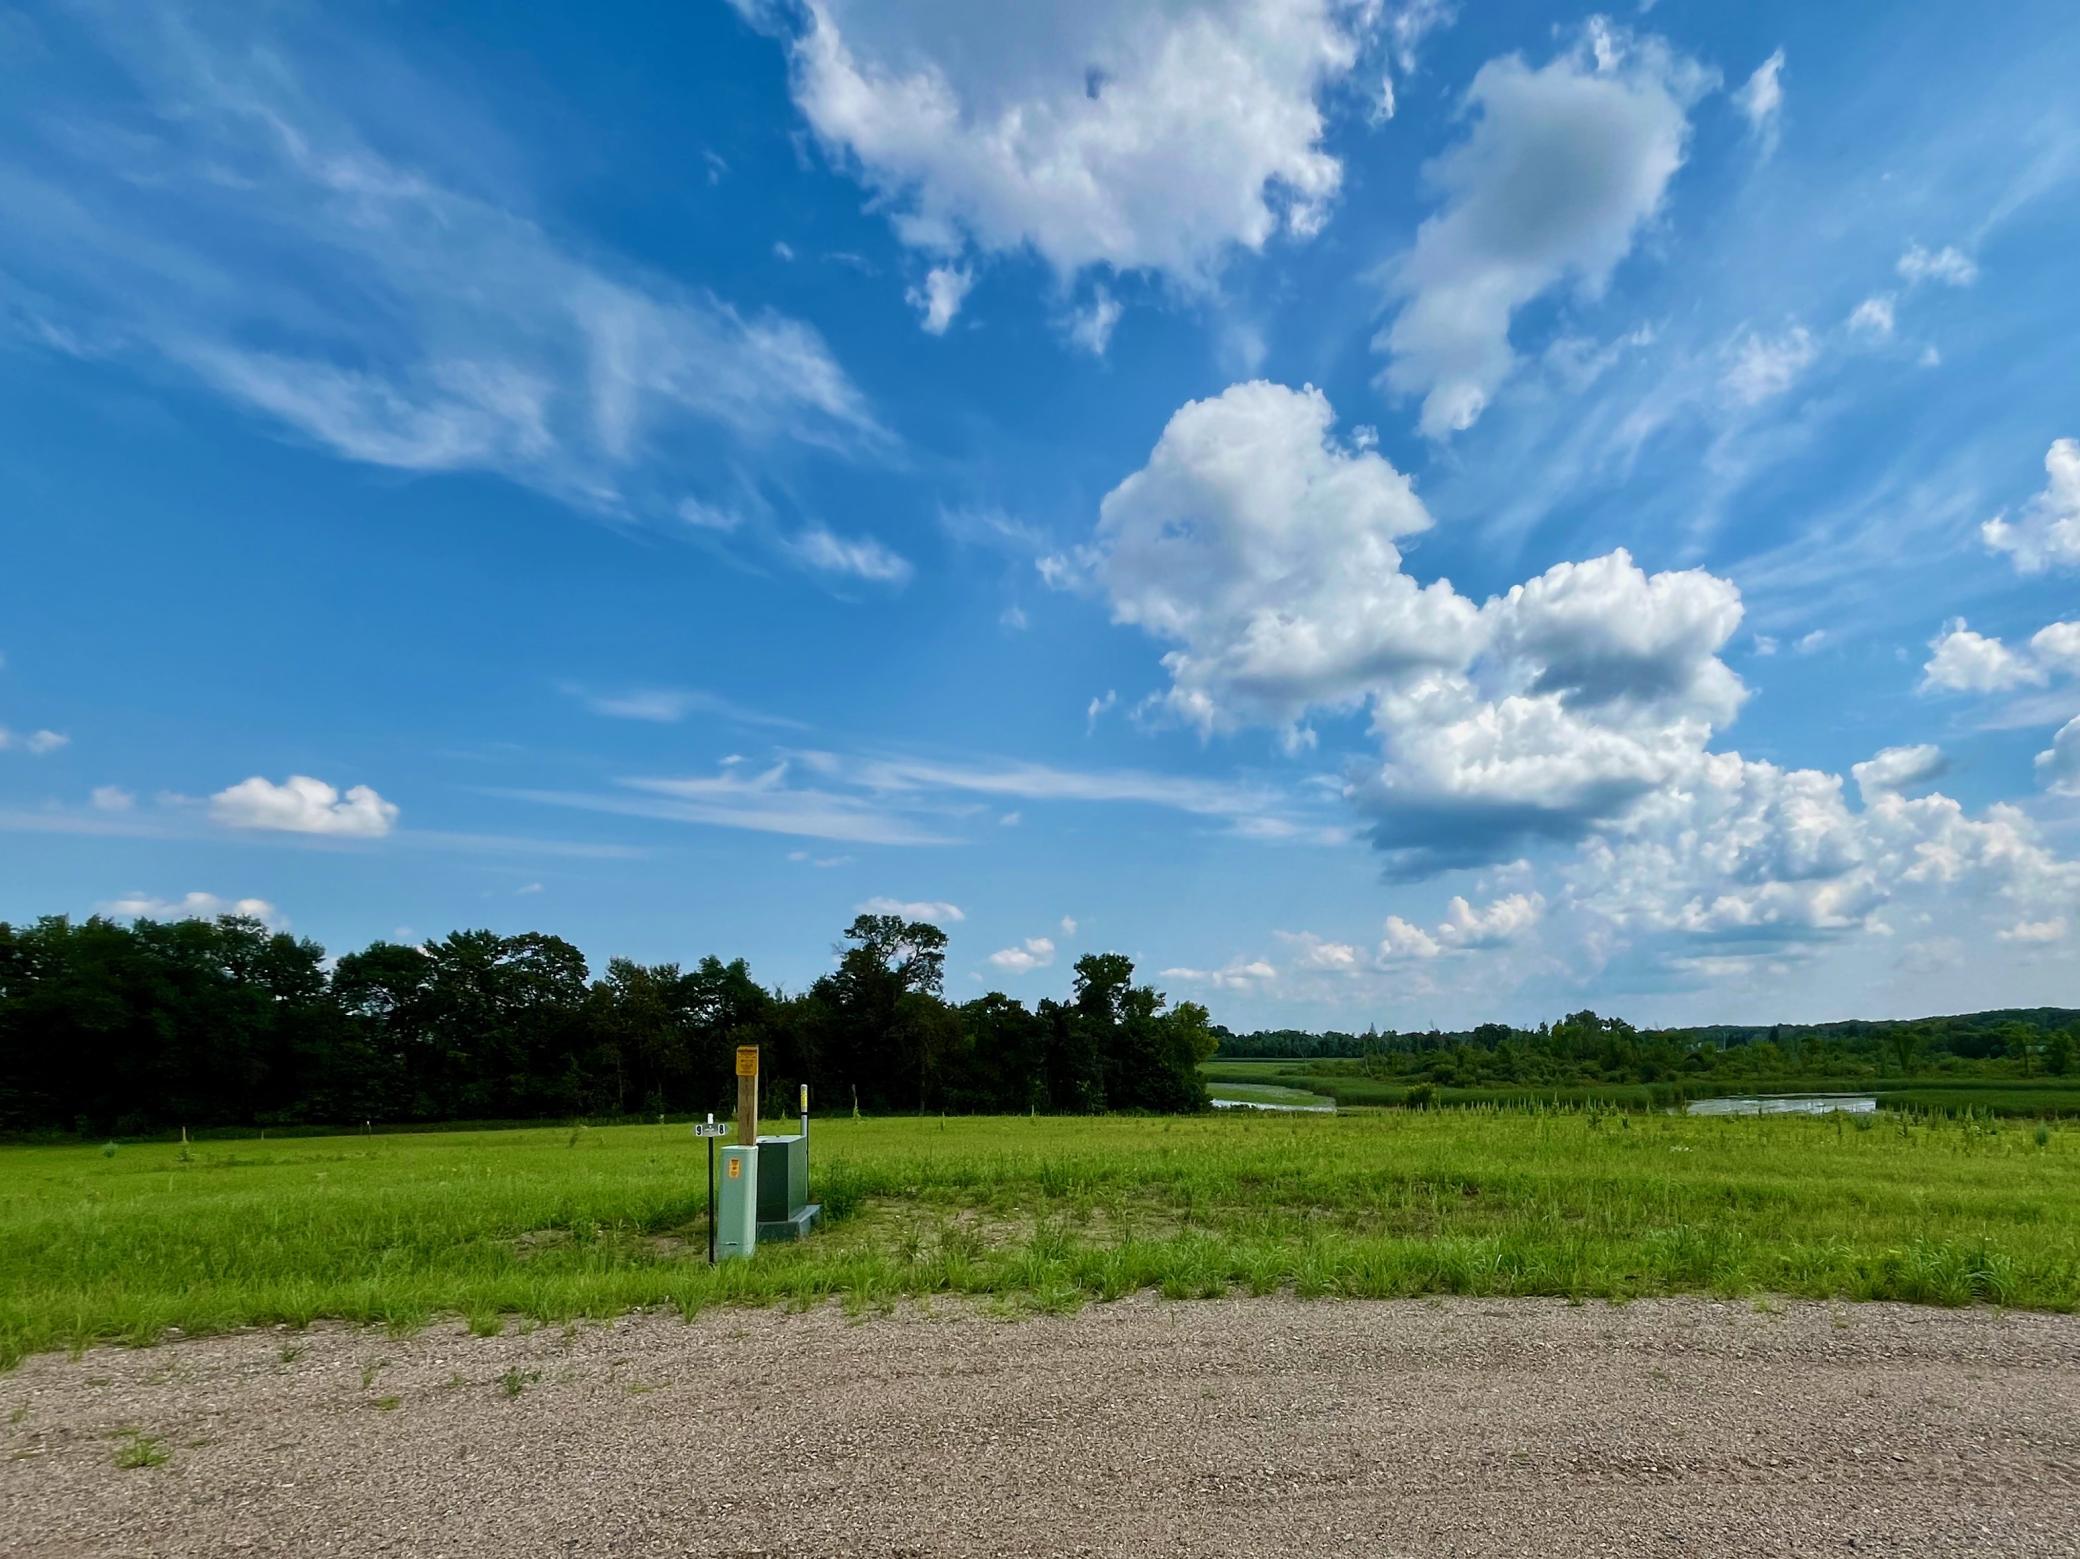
{"points": [[1243, 1427]]}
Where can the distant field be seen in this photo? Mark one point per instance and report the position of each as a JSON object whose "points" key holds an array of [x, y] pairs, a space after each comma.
{"points": [[557, 1223], [2048, 1098]]}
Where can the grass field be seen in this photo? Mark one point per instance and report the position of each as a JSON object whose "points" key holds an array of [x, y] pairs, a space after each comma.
{"points": [[2050, 1098], [552, 1224]]}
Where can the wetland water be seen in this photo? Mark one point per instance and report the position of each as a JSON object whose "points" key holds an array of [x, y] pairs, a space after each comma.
{"points": [[1786, 1104], [1287, 1109]]}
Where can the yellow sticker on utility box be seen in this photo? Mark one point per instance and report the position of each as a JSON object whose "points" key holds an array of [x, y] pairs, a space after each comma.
{"points": [[747, 1060], [736, 1167]]}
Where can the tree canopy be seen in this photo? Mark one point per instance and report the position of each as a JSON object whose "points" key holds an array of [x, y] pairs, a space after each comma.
{"points": [[128, 1028]]}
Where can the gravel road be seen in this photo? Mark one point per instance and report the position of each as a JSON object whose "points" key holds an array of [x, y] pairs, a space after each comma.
{"points": [[1239, 1427]]}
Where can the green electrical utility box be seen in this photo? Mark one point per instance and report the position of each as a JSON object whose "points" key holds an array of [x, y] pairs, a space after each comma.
{"points": [[736, 1204], [784, 1209]]}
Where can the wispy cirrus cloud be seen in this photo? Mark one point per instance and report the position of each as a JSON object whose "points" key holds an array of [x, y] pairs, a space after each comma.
{"points": [[113, 814], [228, 217], [671, 705], [766, 801], [1046, 782], [855, 557], [38, 744], [906, 801]]}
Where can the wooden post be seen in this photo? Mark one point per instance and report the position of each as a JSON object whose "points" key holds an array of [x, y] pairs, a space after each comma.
{"points": [[747, 1095]]}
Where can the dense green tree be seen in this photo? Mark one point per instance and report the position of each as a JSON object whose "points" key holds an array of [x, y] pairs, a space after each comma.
{"points": [[1006, 1054], [2058, 1053]]}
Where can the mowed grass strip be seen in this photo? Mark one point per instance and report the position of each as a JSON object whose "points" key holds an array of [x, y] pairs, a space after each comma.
{"points": [[554, 1224]]}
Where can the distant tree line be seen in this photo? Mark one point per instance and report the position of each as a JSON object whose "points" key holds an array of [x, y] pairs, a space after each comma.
{"points": [[1586, 1047], [108, 1027]]}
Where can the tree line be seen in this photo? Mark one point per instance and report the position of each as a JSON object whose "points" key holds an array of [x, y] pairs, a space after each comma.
{"points": [[108, 1027], [1587, 1047]]}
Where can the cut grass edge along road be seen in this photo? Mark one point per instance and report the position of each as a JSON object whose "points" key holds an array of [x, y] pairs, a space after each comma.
{"points": [[553, 1224]]}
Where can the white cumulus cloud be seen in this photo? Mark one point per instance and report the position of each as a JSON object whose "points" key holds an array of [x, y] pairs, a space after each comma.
{"points": [[1404, 940], [1506, 920], [933, 910], [194, 906], [2052, 930], [1966, 662], [1464, 929], [1873, 318], [2058, 766], [1265, 548], [1759, 366], [1127, 133], [1947, 265], [1241, 974], [1314, 952], [1560, 170], [939, 299], [303, 805], [2047, 532], [1898, 768], [1036, 952], [1576, 712], [1091, 326]]}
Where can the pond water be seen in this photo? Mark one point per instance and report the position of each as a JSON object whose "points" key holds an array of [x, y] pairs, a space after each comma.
{"points": [[1286, 1109], [1786, 1104]]}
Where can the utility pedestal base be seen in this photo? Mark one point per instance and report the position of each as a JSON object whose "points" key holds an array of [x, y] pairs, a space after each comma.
{"points": [[796, 1225]]}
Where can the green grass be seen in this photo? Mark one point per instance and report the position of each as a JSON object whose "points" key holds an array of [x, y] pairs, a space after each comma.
{"points": [[1044, 1213], [141, 1450]]}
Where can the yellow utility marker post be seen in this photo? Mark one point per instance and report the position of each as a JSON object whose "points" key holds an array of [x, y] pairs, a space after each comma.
{"points": [[747, 1093], [738, 1234]]}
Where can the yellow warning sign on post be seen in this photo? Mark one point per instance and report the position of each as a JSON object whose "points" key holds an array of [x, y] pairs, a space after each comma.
{"points": [[747, 1060], [805, 1098]]}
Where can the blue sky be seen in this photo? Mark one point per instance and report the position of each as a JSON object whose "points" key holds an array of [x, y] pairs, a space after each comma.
{"points": [[1400, 513]]}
